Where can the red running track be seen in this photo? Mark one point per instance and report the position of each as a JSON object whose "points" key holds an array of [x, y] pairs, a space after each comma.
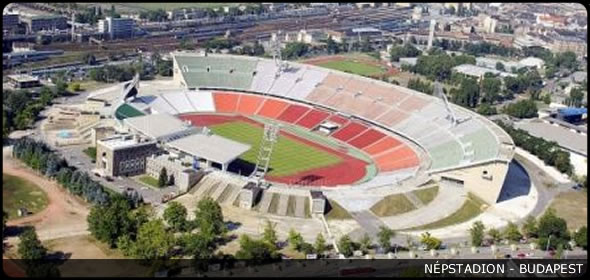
{"points": [[346, 172]]}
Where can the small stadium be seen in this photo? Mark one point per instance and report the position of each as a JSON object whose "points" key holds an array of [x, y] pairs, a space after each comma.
{"points": [[361, 143]]}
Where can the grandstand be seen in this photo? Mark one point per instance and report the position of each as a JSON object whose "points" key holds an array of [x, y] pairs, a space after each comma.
{"points": [[400, 129]]}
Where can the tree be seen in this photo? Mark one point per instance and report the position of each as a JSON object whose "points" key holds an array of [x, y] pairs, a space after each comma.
{"points": [[346, 246], [89, 58], [295, 239], [467, 94], [30, 247], [197, 246], [107, 223], [495, 235], [529, 227], [257, 250], [365, 243], [522, 109], [477, 233], [270, 234], [331, 46], [576, 97], [500, 66], [294, 50], [430, 241], [491, 88], [486, 109], [384, 237], [175, 215], [552, 230], [320, 244], [407, 50], [581, 237], [163, 179], [512, 233], [209, 217], [153, 242]]}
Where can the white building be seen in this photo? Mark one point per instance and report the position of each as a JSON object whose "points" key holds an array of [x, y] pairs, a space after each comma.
{"points": [[532, 62], [180, 168], [115, 28]]}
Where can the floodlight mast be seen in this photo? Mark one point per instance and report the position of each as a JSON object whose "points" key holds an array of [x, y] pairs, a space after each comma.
{"points": [[269, 138], [438, 91]]}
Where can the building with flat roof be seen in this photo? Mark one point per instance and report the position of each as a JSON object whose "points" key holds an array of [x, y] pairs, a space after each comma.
{"points": [[22, 81], [160, 127], [479, 72], [209, 149], [180, 169], [123, 155], [49, 23], [9, 22], [249, 195], [116, 28]]}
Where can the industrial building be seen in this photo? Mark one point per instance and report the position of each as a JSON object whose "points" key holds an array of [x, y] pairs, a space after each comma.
{"points": [[123, 155], [116, 28], [48, 23]]}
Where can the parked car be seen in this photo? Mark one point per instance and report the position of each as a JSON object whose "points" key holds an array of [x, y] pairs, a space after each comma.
{"points": [[109, 178], [507, 256], [522, 255]]}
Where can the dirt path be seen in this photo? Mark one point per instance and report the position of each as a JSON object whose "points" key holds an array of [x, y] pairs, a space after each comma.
{"points": [[65, 214]]}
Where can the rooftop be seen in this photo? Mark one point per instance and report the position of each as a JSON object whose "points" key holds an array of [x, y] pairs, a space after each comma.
{"points": [[472, 70], [23, 78], [564, 137], [157, 125], [122, 141], [211, 147]]}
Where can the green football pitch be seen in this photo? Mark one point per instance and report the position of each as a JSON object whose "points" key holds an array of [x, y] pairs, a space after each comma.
{"points": [[354, 67], [289, 156]]}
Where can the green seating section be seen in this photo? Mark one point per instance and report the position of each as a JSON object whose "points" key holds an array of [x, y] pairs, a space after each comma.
{"points": [[127, 111], [483, 143], [219, 71], [446, 155]]}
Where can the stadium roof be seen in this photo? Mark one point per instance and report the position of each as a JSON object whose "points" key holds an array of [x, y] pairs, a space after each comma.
{"points": [[211, 147], [158, 125], [563, 136]]}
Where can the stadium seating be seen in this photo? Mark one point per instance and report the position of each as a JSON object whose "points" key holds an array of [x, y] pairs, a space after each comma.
{"points": [[368, 137], [265, 76], [313, 118], [272, 108], [385, 144], [249, 104], [418, 116], [398, 158], [311, 78], [293, 113], [226, 102], [179, 101], [349, 131]]}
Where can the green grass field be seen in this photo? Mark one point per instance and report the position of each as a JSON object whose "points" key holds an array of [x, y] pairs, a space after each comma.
{"points": [[18, 192], [350, 66], [391, 205], [289, 156], [426, 195], [148, 180], [336, 212]]}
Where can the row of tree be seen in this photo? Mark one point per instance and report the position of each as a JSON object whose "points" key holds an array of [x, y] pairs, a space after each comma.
{"points": [[547, 151], [121, 73], [438, 65], [40, 157], [549, 231], [421, 86], [522, 109]]}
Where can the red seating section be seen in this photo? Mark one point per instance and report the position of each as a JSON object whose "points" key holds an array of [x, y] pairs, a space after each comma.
{"points": [[225, 102], [293, 113], [338, 119], [313, 118], [399, 158], [382, 145], [272, 108], [367, 138], [249, 104], [350, 130]]}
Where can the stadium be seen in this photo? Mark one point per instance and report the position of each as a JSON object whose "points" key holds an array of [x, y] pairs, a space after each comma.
{"points": [[337, 130]]}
